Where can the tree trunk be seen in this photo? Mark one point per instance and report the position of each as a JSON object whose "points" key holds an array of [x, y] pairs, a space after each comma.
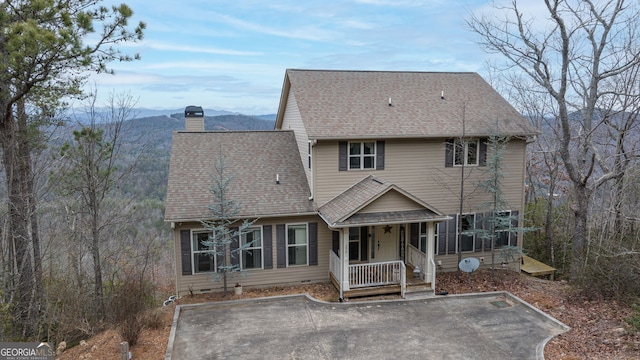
{"points": [[548, 223], [95, 247], [16, 167], [580, 211]]}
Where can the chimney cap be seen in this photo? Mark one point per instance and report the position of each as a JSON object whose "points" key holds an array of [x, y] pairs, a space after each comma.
{"points": [[193, 111]]}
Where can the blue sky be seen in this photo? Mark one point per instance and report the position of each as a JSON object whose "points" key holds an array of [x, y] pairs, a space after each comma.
{"points": [[232, 55]]}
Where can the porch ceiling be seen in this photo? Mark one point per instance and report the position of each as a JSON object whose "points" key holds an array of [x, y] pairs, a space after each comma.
{"points": [[391, 217]]}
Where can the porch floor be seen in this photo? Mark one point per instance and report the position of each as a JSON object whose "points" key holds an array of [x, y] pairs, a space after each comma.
{"points": [[413, 286]]}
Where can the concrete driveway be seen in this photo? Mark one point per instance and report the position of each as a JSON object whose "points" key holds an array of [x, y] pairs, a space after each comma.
{"points": [[476, 326]]}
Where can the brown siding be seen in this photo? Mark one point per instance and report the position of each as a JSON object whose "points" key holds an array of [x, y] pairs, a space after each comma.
{"points": [[391, 201], [293, 121], [450, 262], [265, 277], [417, 166]]}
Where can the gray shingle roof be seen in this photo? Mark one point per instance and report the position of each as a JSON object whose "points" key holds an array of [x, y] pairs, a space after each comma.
{"points": [[355, 104], [342, 209], [253, 157]]}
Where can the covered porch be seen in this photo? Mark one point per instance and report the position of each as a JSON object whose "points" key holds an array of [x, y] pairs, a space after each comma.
{"points": [[380, 286], [383, 240]]}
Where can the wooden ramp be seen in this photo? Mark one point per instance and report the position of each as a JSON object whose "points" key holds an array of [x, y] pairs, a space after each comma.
{"points": [[533, 267]]}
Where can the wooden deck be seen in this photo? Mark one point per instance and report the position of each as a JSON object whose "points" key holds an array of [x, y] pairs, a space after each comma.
{"points": [[533, 267]]}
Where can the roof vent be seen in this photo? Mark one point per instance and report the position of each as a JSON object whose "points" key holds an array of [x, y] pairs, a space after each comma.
{"points": [[194, 118]]}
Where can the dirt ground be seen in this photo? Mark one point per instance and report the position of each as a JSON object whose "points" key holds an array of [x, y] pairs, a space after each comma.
{"points": [[598, 328]]}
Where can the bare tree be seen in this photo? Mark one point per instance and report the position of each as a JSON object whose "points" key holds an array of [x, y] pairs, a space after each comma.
{"points": [[570, 56], [90, 175]]}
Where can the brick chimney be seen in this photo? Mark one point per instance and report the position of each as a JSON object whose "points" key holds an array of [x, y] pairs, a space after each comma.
{"points": [[194, 118]]}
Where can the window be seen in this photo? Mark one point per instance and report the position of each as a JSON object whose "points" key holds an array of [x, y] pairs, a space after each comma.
{"points": [[466, 152], [354, 244], [297, 244], [362, 155], [503, 228], [423, 237], [467, 236], [309, 154], [251, 253], [203, 255]]}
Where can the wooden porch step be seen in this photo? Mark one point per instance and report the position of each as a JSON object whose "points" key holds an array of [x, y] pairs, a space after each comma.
{"points": [[383, 290]]}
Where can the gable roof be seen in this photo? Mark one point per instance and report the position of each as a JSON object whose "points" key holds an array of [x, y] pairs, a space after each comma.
{"points": [[355, 104], [343, 209], [254, 158]]}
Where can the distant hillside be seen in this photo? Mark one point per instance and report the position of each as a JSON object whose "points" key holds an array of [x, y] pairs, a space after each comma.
{"points": [[155, 133]]}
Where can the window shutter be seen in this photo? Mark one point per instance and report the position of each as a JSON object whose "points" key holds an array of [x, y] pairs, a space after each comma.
{"points": [[281, 246], [235, 245], [335, 242], [482, 160], [185, 251], [448, 154], [380, 155], [452, 229], [313, 243], [513, 238], [415, 234], [343, 157], [364, 243], [442, 237], [267, 246]]}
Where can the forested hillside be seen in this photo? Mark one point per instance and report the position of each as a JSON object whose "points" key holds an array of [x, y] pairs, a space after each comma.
{"points": [[154, 133]]}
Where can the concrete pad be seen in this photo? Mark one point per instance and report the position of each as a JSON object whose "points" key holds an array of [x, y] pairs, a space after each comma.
{"points": [[476, 326]]}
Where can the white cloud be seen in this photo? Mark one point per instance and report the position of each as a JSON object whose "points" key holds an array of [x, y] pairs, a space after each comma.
{"points": [[196, 49]]}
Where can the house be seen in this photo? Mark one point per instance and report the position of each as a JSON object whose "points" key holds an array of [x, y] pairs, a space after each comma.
{"points": [[358, 183]]}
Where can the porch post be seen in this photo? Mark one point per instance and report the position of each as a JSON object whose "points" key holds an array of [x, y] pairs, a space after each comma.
{"points": [[344, 260], [428, 264]]}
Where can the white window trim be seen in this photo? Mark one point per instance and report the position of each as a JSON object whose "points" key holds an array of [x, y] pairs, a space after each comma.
{"points": [[241, 262], [362, 154], [193, 252], [309, 145], [459, 243], [456, 142], [286, 240]]}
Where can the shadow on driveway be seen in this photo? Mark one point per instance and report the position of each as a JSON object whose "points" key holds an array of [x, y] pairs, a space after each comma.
{"points": [[475, 326]]}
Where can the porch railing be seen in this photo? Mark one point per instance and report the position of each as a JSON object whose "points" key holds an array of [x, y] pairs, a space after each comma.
{"points": [[416, 258], [433, 274], [376, 274], [335, 266], [371, 274]]}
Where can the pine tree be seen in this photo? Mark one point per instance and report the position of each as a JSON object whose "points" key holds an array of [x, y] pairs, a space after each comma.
{"points": [[225, 227], [497, 220]]}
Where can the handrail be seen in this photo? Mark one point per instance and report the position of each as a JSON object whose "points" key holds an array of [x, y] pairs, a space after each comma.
{"points": [[335, 266], [403, 279], [433, 274]]}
